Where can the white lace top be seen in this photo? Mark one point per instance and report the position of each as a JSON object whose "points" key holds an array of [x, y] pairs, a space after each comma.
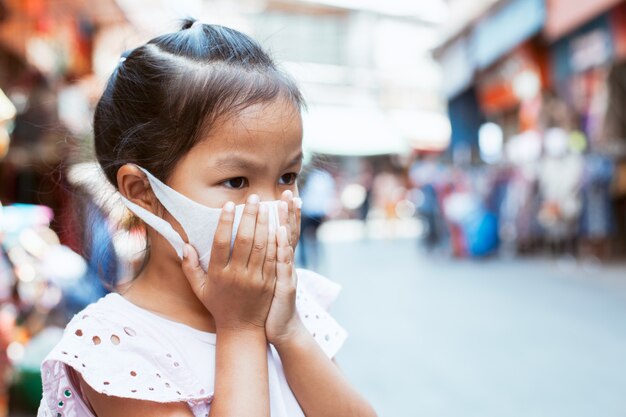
{"points": [[122, 350]]}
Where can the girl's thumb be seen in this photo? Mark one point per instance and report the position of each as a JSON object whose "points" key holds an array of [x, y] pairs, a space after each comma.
{"points": [[191, 267]]}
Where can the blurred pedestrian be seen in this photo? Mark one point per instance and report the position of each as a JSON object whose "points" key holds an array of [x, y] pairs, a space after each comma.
{"points": [[366, 180], [318, 196], [425, 175], [597, 224], [560, 182]]}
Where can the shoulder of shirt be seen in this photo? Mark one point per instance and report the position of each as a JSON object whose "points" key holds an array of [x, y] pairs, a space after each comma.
{"points": [[105, 312], [314, 296], [111, 328], [311, 275], [323, 290], [120, 352]]}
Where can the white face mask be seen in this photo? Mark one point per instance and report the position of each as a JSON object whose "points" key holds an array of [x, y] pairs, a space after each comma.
{"points": [[198, 221]]}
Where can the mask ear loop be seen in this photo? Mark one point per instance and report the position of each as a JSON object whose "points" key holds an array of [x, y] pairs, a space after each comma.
{"points": [[159, 225], [155, 221]]}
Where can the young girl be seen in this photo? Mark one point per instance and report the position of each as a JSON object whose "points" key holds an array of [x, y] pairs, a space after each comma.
{"points": [[201, 135]]}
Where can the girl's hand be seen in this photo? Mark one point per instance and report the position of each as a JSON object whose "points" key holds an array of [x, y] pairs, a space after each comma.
{"points": [[283, 321], [237, 289], [289, 216]]}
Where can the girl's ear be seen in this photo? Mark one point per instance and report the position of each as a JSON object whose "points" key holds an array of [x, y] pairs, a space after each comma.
{"points": [[133, 184]]}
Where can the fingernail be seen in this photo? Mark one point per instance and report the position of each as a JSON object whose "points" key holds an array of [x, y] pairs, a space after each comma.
{"points": [[230, 206], [185, 251], [298, 202], [253, 199], [288, 194]]}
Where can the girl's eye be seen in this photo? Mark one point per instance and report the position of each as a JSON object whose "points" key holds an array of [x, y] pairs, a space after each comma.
{"points": [[289, 179], [236, 183]]}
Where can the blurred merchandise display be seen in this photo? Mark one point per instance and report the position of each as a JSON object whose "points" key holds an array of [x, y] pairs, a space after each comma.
{"points": [[40, 281], [536, 107], [46, 93]]}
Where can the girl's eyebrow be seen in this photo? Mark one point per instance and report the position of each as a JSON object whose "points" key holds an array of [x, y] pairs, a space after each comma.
{"points": [[297, 160], [238, 162]]}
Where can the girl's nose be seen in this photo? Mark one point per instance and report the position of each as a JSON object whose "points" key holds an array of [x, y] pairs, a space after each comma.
{"points": [[271, 195], [267, 195]]}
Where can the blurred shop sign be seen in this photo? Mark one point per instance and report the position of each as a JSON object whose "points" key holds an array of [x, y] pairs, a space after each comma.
{"points": [[590, 50], [514, 79], [506, 28], [587, 47], [565, 15]]}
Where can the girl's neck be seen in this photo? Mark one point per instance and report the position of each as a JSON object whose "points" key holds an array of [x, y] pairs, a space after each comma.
{"points": [[161, 287]]}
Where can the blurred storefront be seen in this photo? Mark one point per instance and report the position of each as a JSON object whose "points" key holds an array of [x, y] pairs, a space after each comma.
{"points": [[536, 92], [587, 62], [48, 78], [581, 61], [492, 63], [520, 50]]}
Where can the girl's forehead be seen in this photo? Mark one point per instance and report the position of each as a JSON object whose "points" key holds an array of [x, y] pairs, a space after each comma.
{"points": [[265, 130]]}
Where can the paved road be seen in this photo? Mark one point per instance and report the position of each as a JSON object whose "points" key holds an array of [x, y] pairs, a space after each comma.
{"points": [[434, 337]]}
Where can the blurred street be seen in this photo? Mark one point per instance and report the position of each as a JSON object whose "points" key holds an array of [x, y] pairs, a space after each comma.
{"points": [[432, 336]]}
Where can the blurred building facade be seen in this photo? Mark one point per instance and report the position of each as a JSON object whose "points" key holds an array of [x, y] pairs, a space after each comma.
{"points": [[533, 90], [505, 64]]}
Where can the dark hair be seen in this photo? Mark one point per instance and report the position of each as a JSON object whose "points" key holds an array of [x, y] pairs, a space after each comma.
{"points": [[164, 96]]}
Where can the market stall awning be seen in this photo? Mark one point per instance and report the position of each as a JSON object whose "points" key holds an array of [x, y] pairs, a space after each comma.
{"points": [[343, 130]]}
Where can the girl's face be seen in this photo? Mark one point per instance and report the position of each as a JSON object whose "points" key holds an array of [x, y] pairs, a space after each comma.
{"points": [[258, 151]]}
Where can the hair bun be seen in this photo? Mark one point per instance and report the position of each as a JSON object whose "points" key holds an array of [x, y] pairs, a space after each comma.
{"points": [[187, 23]]}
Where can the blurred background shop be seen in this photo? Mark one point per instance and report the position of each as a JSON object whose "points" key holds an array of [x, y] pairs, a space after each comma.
{"points": [[465, 182], [533, 98]]}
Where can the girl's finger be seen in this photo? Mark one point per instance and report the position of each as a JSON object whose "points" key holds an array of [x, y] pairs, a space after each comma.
{"points": [[291, 218], [192, 269], [284, 264], [298, 210], [269, 265], [287, 197], [259, 245], [293, 232], [283, 213], [245, 233], [220, 251]]}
